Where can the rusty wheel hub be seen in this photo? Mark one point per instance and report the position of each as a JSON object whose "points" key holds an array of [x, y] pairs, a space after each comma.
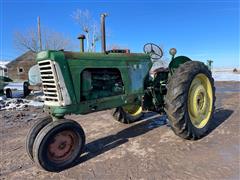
{"points": [[62, 146]]}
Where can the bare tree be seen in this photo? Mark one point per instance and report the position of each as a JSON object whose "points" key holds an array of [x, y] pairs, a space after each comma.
{"points": [[89, 26], [53, 40], [26, 40], [95, 36]]}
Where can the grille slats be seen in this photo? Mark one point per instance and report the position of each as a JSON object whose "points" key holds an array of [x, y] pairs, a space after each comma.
{"points": [[49, 81], [46, 75], [44, 66], [49, 84], [51, 93], [45, 71]]}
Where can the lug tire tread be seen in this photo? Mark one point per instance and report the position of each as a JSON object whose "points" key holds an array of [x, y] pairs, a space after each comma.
{"points": [[177, 96]]}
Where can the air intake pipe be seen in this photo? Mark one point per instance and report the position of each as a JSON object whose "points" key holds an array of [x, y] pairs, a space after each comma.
{"points": [[103, 16], [81, 38]]}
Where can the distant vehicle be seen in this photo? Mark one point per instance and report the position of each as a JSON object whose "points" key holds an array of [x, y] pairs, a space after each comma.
{"points": [[16, 89], [3, 82]]}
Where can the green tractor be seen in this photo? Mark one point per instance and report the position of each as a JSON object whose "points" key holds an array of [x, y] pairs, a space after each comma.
{"points": [[82, 83]]}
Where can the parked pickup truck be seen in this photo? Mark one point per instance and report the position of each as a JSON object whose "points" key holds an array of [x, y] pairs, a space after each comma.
{"points": [[17, 89], [3, 82]]}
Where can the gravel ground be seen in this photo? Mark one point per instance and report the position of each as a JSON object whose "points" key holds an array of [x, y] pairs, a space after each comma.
{"points": [[147, 149]]}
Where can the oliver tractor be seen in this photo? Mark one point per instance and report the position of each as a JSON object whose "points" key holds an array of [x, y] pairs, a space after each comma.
{"points": [[82, 83]]}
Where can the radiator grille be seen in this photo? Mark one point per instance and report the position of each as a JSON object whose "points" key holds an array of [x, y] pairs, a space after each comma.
{"points": [[49, 82]]}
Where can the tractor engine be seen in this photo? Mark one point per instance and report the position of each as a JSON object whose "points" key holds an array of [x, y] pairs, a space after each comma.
{"points": [[98, 83]]}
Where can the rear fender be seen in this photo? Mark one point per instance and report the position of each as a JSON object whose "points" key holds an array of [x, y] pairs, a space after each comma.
{"points": [[176, 62]]}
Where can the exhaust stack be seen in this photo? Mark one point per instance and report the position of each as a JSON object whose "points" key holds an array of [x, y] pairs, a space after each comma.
{"points": [[81, 38], [103, 16]]}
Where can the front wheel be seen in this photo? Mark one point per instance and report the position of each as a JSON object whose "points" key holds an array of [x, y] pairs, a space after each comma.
{"points": [[58, 145], [190, 100]]}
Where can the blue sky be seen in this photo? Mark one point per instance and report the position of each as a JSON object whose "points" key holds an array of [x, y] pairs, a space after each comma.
{"points": [[202, 29]]}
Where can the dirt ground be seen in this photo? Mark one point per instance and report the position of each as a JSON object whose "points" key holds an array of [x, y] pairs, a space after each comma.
{"points": [[147, 149]]}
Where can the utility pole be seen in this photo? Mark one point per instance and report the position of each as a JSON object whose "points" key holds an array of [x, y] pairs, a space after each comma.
{"points": [[39, 34], [103, 16]]}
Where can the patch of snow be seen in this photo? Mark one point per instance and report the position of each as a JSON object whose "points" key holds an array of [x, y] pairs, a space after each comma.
{"points": [[35, 103], [18, 103], [225, 69], [225, 76], [3, 98], [3, 64]]}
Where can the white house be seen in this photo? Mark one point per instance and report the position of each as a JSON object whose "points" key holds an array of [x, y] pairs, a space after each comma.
{"points": [[3, 68]]}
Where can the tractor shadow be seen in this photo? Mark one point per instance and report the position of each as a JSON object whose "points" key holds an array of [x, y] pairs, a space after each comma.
{"points": [[220, 115], [149, 122]]}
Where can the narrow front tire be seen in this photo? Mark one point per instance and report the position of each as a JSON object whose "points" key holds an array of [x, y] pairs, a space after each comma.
{"points": [[58, 145], [33, 132]]}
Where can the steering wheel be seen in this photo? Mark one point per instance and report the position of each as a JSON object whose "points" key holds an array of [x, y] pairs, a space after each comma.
{"points": [[153, 50]]}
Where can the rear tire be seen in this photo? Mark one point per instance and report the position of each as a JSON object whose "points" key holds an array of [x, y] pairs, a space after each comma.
{"points": [[127, 115], [58, 145], [190, 100]]}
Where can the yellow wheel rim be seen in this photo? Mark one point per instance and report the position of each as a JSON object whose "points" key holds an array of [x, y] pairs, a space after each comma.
{"points": [[200, 99], [133, 110]]}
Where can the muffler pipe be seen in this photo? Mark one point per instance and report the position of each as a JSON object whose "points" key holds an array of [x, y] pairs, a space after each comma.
{"points": [[81, 38], [103, 16]]}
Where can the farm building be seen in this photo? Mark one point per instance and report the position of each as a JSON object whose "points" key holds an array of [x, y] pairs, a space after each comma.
{"points": [[3, 68], [18, 69]]}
